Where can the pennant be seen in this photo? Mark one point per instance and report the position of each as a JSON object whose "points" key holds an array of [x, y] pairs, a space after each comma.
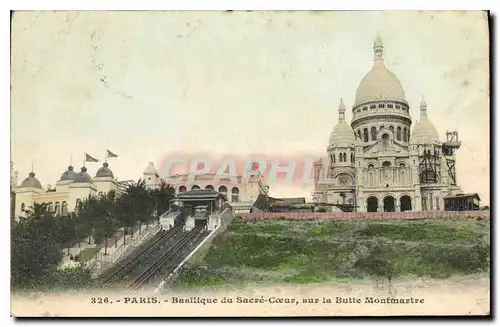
{"points": [[110, 154], [90, 159]]}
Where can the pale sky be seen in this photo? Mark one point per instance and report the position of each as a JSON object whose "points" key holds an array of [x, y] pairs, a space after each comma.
{"points": [[144, 84]]}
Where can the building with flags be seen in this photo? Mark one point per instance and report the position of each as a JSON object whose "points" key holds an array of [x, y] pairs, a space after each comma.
{"points": [[71, 188]]}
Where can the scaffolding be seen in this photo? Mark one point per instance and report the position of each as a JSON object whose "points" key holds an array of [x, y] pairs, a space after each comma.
{"points": [[449, 148], [429, 165]]}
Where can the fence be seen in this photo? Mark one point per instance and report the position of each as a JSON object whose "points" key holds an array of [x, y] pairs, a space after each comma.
{"points": [[100, 259], [407, 215]]}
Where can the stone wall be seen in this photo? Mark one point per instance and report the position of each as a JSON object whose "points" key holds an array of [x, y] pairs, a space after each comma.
{"points": [[410, 215]]}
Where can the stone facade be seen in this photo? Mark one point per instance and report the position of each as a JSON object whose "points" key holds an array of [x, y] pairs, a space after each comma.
{"points": [[375, 163]]}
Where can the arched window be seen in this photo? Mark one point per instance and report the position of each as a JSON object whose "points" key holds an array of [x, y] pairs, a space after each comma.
{"points": [[235, 194], [365, 134], [437, 203], [57, 208], [50, 207], [359, 134], [64, 208], [209, 187], [345, 157], [223, 190], [404, 135], [195, 187], [352, 157], [182, 189], [371, 175], [385, 141], [402, 174], [372, 106], [381, 105], [391, 128], [430, 201], [390, 105], [23, 206], [424, 204], [332, 158], [374, 133], [398, 134]]}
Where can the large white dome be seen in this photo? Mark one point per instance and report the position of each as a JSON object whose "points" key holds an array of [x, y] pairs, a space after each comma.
{"points": [[379, 83]]}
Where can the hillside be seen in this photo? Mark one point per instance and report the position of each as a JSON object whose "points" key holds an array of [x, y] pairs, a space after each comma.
{"points": [[268, 251]]}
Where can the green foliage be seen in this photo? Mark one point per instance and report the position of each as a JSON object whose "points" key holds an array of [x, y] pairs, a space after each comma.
{"points": [[201, 276], [35, 253], [71, 278], [304, 252], [38, 240]]}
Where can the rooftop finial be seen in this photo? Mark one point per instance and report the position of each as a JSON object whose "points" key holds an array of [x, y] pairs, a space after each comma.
{"points": [[423, 107], [378, 48], [341, 110]]}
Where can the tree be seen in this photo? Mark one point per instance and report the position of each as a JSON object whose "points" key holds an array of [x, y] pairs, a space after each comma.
{"points": [[134, 204], [66, 230], [36, 211], [161, 198], [35, 254]]}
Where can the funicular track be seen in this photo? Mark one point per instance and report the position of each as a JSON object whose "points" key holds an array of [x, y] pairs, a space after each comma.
{"points": [[167, 262], [129, 266]]}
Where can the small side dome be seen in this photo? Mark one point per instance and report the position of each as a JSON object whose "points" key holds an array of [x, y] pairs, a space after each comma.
{"points": [[83, 176], [424, 132], [104, 171], [31, 181], [70, 174], [342, 135], [150, 169]]}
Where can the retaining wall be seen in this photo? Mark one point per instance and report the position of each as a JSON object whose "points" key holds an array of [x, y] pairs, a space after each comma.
{"points": [[409, 215]]}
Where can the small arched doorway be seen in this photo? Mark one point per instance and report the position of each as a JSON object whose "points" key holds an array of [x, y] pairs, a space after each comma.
{"points": [[405, 203], [371, 204], [389, 204], [235, 194]]}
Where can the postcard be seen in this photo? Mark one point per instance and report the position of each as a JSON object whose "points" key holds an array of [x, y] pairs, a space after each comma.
{"points": [[250, 163]]}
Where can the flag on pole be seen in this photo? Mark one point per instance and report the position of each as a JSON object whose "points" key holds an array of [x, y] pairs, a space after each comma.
{"points": [[110, 154], [90, 159]]}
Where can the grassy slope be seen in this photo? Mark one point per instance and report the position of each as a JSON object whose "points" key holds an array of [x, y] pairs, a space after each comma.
{"points": [[302, 252]]}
